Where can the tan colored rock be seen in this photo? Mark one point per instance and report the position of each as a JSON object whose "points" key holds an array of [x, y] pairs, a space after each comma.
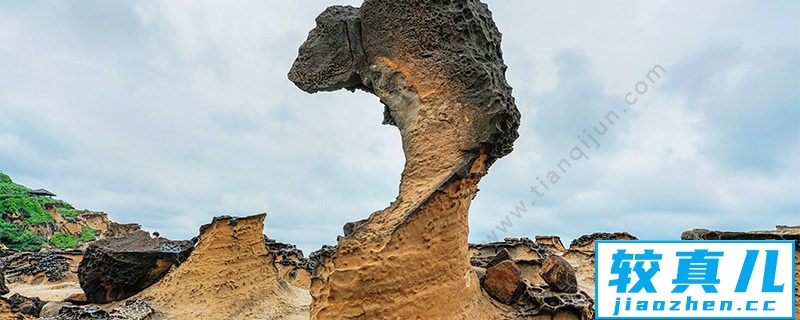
{"points": [[553, 243], [581, 256], [558, 273], [78, 298], [229, 275], [438, 71]]}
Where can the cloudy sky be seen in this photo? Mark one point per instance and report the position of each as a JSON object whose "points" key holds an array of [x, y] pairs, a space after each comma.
{"points": [[167, 113]]}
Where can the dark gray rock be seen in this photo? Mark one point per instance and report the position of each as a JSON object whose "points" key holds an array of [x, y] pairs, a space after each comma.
{"points": [[586, 242], [81, 313], [501, 256], [540, 300], [116, 268], [50, 263], [3, 288], [25, 305], [780, 233]]}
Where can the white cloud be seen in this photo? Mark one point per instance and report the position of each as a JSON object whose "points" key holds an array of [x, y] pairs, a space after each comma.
{"points": [[168, 113]]}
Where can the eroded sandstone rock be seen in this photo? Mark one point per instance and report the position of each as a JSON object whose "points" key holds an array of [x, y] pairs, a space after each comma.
{"points": [[231, 274], [437, 68], [37, 267], [538, 299], [292, 266], [581, 256], [539, 302], [116, 268]]}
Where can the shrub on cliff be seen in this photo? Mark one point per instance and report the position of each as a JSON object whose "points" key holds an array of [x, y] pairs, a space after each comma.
{"points": [[87, 234], [15, 198], [17, 238], [62, 240], [68, 214], [10, 189]]}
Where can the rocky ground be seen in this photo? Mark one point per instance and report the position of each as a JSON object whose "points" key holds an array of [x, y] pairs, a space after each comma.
{"points": [[235, 272]]}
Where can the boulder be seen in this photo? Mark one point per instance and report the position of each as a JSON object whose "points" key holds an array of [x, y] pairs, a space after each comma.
{"points": [[78, 298], [501, 256], [116, 268], [25, 305], [503, 281], [559, 274], [52, 308], [7, 313]]}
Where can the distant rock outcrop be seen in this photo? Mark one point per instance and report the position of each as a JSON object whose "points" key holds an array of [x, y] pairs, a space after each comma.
{"points": [[780, 233], [437, 68], [117, 268], [98, 221], [36, 267]]}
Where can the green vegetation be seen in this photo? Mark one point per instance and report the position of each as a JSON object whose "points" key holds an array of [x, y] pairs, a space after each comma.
{"points": [[14, 198], [38, 216], [87, 234], [68, 214], [62, 240], [19, 204], [17, 238], [59, 203], [10, 189]]}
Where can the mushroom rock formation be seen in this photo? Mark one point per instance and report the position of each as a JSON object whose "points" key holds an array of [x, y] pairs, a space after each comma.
{"points": [[438, 71], [229, 275]]}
